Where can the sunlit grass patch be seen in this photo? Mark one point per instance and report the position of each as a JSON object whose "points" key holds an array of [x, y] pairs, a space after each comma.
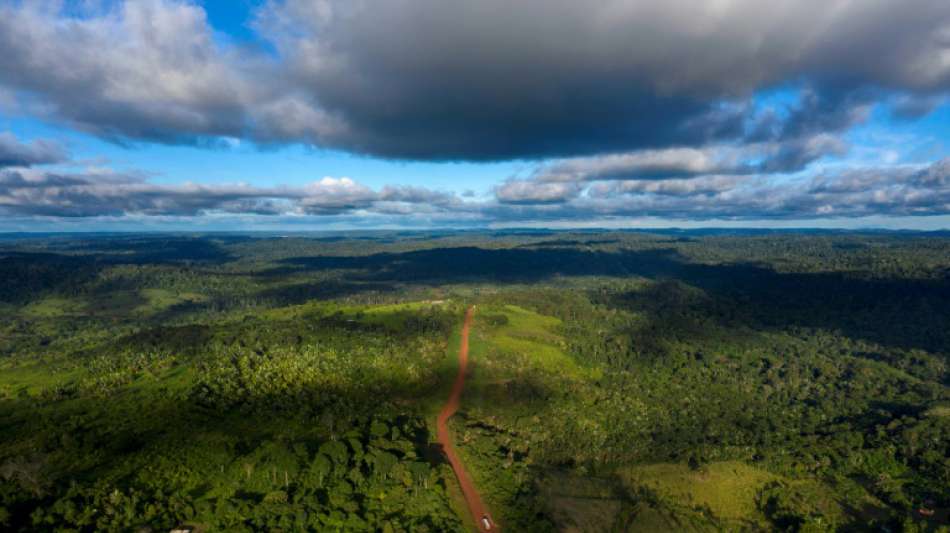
{"points": [[31, 378], [512, 340], [939, 411], [728, 489], [730, 493], [53, 307]]}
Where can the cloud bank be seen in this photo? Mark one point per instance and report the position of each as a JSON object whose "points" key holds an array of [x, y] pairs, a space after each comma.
{"points": [[34, 192], [893, 191]]}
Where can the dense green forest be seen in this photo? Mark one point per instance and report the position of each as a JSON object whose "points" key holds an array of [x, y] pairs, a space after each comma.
{"points": [[619, 381]]}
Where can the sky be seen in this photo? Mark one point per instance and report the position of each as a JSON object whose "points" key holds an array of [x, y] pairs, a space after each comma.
{"points": [[152, 115]]}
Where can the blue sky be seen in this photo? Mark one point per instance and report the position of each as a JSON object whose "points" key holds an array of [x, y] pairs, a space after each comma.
{"points": [[315, 114]]}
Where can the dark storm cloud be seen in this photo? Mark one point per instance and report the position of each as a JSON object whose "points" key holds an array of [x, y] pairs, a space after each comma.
{"points": [[15, 153], [430, 79], [497, 79]]}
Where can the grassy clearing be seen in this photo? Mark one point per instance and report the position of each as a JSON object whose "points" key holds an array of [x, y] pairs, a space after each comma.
{"points": [[510, 341], [728, 489], [53, 308], [939, 411], [30, 378], [723, 493]]}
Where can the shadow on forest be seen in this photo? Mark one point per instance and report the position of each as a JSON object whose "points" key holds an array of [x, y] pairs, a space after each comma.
{"points": [[140, 249], [161, 249], [299, 293], [914, 310], [59, 268]]}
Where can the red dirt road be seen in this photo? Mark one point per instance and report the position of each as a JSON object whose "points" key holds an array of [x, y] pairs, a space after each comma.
{"points": [[474, 501]]}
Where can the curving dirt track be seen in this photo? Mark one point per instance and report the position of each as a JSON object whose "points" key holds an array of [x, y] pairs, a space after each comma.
{"points": [[479, 512]]}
